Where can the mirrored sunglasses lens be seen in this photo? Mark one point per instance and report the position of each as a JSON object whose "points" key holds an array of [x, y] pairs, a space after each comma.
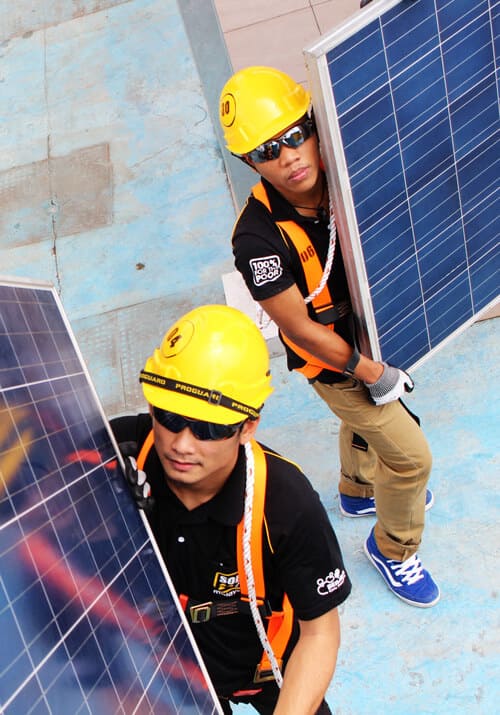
{"points": [[294, 138], [265, 152]]}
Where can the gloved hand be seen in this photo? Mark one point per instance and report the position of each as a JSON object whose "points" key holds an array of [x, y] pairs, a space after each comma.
{"points": [[136, 478], [390, 386]]}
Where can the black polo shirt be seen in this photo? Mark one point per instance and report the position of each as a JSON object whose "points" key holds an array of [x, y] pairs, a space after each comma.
{"points": [[302, 559], [269, 266]]}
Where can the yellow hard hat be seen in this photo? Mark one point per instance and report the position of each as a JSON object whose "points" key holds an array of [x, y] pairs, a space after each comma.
{"points": [[257, 103], [212, 365]]}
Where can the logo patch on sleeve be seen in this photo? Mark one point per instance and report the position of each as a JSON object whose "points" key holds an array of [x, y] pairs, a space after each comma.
{"points": [[331, 583], [265, 270]]}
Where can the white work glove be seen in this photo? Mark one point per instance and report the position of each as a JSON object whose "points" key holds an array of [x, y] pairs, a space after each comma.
{"points": [[391, 385], [136, 478]]}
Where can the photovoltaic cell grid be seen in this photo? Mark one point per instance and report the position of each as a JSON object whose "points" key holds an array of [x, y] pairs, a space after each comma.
{"points": [[408, 104], [88, 624]]}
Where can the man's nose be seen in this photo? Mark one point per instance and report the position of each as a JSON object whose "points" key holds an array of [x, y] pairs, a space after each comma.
{"points": [[288, 154]]}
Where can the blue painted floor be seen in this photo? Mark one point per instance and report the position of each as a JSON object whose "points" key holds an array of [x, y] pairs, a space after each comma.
{"points": [[396, 659]]}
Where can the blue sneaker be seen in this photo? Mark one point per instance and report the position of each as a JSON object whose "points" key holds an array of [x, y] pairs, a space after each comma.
{"points": [[364, 506], [406, 579]]}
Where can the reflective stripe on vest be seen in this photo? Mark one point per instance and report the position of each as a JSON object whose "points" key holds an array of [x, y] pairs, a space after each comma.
{"points": [[280, 622], [313, 271]]}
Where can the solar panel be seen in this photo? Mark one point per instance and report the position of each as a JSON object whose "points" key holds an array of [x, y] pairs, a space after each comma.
{"points": [[89, 624], [406, 99]]}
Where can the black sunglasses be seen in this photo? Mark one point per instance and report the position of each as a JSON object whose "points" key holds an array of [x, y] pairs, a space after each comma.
{"points": [[293, 138], [200, 429]]}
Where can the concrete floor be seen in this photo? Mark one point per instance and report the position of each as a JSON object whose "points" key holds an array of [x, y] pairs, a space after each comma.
{"points": [[396, 659]]}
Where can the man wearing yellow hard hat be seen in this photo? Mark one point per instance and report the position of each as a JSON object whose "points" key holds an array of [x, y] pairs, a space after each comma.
{"points": [[247, 543], [286, 248]]}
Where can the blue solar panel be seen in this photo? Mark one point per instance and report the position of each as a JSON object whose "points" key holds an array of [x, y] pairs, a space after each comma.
{"points": [[406, 97], [88, 622]]}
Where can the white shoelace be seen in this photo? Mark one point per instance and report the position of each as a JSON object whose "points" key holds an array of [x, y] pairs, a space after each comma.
{"points": [[409, 571]]}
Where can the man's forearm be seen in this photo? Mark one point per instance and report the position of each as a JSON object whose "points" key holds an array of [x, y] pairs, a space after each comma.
{"points": [[310, 668], [334, 350], [288, 311]]}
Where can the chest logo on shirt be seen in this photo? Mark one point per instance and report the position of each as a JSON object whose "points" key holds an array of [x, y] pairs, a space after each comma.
{"points": [[331, 583], [266, 269], [226, 584]]}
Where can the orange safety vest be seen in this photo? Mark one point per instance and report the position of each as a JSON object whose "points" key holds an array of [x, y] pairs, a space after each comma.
{"points": [[280, 622], [313, 271]]}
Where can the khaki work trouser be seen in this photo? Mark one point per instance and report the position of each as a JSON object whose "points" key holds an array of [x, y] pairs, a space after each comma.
{"points": [[395, 468]]}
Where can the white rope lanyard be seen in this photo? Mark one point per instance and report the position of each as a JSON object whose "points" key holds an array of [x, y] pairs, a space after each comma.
{"points": [[329, 258], [247, 563]]}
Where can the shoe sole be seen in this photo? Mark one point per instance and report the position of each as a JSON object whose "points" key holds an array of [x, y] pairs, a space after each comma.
{"points": [[368, 512], [418, 604], [373, 512]]}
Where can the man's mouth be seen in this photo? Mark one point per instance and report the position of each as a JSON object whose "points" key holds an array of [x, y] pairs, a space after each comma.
{"points": [[298, 174]]}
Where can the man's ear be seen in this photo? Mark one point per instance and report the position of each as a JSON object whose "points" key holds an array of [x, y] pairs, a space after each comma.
{"points": [[248, 430]]}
